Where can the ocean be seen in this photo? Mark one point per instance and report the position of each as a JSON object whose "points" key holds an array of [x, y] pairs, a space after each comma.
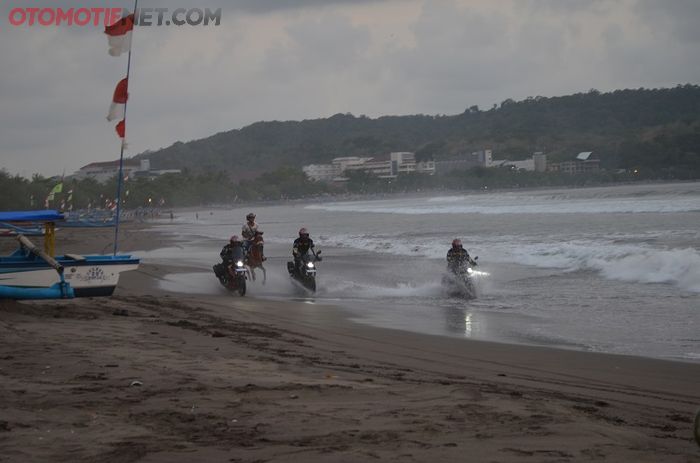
{"points": [[608, 269]]}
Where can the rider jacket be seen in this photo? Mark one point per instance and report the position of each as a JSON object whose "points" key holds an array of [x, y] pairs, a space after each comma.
{"points": [[248, 230], [227, 252], [456, 258], [302, 246]]}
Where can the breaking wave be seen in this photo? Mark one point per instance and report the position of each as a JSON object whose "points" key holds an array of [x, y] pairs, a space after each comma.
{"points": [[517, 205], [663, 198], [624, 262], [680, 267]]}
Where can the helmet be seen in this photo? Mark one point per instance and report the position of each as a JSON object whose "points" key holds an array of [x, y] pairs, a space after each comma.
{"points": [[235, 239], [303, 233], [250, 216], [456, 243]]}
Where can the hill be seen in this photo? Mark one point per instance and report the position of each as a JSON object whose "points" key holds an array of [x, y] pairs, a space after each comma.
{"points": [[642, 128]]}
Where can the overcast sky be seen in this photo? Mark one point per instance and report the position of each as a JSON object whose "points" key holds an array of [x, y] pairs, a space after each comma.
{"points": [[305, 59]]}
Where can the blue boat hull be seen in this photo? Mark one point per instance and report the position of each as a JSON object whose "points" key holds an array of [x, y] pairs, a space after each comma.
{"points": [[24, 276], [57, 291]]}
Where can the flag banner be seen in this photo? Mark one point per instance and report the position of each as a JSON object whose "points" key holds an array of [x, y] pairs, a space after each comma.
{"points": [[121, 94], [121, 128], [119, 35], [56, 189]]}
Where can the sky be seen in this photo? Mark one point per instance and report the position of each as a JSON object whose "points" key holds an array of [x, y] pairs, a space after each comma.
{"points": [[306, 59]]}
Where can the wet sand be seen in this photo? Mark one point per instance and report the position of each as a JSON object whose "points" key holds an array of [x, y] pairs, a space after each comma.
{"points": [[154, 377]]}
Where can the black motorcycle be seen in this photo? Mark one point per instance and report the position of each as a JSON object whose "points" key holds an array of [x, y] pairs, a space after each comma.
{"points": [[305, 272], [459, 280], [232, 273]]}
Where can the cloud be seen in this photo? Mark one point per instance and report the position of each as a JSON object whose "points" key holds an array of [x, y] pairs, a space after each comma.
{"points": [[266, 6], [677, 18], [274, 60]]}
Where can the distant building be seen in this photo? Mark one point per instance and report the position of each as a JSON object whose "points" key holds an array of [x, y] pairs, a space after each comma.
{"points": [[585, 162], [343, 163], [321, 172], [526, 164], [102, 172], [425, 167], [380, 168], [482, 158], [398, 163], [540, 160]]}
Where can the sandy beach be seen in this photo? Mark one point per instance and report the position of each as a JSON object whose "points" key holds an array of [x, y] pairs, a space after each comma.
{"points": [[155, 377]]}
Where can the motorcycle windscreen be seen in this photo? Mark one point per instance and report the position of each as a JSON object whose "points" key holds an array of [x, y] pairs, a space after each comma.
{"points": [[237, 253]]}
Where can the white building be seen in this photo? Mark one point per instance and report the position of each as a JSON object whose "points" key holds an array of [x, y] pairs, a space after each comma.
{"points": [[381, 169], [398, 163], [343, 163], [484, 157], [321, 172], [425, 167], [540, 161], [103, 172]]}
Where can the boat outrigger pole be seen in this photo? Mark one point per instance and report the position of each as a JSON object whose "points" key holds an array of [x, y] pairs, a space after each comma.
{"points": [[60, 290], [120, 179]]}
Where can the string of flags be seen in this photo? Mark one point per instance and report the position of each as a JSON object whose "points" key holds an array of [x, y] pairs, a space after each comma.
{"points": [[119, 41]]}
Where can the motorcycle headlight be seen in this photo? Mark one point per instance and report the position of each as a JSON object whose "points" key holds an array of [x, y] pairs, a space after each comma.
{"points": [[470, 271], [310, 264], [239, 263]]}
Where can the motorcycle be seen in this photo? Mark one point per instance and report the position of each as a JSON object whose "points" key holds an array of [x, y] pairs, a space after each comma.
{"points": [[459, 281], [305, 274], [233, 274]]}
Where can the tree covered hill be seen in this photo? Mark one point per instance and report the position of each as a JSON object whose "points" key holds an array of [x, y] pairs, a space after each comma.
{"points": [[643, 128]]}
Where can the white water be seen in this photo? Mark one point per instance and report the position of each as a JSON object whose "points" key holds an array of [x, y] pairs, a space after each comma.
{"points": [[512, 203], [613, 269], [625, 262]]}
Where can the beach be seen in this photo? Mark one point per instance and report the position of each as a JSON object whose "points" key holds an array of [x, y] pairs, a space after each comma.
{"points": [[153, 376]]}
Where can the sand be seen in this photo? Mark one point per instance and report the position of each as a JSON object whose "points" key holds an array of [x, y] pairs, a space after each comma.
{"points": [[154, 377]]}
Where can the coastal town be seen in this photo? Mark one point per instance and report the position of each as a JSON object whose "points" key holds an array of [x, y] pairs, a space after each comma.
{"points": [[385, 167]]}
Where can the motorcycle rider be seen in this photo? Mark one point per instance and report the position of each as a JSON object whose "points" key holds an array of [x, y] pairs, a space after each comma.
{"points": [[457, 257], [228, 256], [301, 247], [250, 228], [228, 252]]}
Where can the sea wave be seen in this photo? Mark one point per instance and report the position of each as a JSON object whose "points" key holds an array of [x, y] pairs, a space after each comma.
{"points": [[625, 262], [680, 267], [517, 205]]}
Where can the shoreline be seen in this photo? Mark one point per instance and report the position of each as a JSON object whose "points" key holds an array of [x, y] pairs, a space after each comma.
{"points": [[417, 194], [181, 377]]}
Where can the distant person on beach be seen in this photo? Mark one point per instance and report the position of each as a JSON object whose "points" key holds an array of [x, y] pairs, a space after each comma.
{"points": [[301, 247], [250, 228], [457, 256]]}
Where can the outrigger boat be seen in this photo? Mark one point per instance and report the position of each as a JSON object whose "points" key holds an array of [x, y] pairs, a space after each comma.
{"points": [[32, 273], [31, 227]]}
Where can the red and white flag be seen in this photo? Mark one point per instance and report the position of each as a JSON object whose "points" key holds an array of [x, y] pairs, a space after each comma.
{"points": [[121, 129], [119, 35], [121, 94]]}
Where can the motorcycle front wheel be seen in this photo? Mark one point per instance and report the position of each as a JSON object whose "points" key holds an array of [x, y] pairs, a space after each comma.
{"points": [[241, 287], [311, 284]]}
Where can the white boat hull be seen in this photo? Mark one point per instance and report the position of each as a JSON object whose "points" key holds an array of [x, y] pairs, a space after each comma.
{"points": [[86, 280]]}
